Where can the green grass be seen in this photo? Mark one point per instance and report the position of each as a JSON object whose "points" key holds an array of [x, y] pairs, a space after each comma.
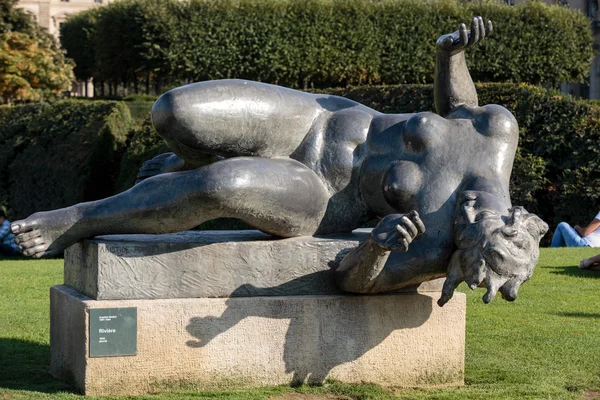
{"points": [[545, 345]]}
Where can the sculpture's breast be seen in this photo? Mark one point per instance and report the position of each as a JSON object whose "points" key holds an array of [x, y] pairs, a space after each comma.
{"points": [[424, 132]]}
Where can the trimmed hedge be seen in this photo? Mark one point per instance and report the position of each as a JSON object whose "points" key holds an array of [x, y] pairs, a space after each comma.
{"points": [[321, 43], [56, 155]]}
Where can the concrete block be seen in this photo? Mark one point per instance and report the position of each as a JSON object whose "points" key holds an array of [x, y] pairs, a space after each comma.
{"points": [[392, 340], [197, 264]]}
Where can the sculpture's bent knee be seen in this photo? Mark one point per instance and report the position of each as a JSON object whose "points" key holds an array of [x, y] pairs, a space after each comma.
{"points": [[235, 118]]}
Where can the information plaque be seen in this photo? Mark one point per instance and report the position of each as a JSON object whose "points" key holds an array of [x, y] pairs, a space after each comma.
{"points": [[113, 332]]}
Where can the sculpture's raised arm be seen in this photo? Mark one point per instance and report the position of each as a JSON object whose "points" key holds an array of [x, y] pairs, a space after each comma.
{"points": [[453, 85]]}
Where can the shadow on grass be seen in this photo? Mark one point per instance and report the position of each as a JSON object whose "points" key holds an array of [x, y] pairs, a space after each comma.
{"points": [[24, 365], [572, 270], [578, 315]]}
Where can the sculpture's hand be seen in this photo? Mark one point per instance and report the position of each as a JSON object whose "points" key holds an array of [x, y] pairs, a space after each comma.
{"points": [[462, 39], [395, 232]]}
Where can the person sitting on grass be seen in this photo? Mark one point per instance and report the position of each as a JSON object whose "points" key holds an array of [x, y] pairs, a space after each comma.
{"points": [[8, 247], [588, 236]]}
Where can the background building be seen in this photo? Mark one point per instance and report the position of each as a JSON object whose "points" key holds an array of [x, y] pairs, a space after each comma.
{"points": [[51, 13]]}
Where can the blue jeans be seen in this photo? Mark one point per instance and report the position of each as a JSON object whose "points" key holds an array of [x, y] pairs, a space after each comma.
{"points": [[7, 251], [565, 235]]}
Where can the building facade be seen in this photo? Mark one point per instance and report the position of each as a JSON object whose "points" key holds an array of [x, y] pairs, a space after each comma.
{"points": [[51, 13]]}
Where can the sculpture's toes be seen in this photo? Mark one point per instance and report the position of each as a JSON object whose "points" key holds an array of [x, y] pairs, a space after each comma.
{"points": [[25, 225], [34, 248], [27, 236]]}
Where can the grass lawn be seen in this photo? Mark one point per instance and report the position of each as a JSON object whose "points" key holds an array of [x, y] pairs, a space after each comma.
{"points": [[545, 345]]}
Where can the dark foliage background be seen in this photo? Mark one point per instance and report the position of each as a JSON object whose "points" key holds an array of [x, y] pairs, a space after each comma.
{"points": [[60, 154], [148, 44]]}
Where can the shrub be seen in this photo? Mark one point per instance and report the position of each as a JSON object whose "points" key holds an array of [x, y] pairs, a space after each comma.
{"points": [[326, 43], [32, 67], [56, 155]]}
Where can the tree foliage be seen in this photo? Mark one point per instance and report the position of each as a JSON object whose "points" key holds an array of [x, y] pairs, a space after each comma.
{"points": [[324, 43], [31, 64]]}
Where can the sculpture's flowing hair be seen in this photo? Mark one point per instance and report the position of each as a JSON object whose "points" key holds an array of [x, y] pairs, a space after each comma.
{"points": [[499, 258]]}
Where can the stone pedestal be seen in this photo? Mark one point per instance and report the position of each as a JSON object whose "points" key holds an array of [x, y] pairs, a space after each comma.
{"points": [[400, 339]]}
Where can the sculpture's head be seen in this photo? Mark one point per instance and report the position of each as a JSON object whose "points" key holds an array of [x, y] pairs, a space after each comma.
{"points": [[496, 250]]}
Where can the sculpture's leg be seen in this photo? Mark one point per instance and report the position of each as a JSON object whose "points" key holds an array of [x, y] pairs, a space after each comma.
{"points": [[233, 118], [278, 196]]}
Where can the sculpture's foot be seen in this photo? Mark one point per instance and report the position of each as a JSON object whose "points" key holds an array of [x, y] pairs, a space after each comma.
{"points": [[161, 164], [45, 234]]}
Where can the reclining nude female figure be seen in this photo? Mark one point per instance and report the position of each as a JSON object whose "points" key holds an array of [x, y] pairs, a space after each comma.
{"points": [[301, 164]]}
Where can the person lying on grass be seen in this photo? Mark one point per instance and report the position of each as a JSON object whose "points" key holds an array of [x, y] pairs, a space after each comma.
{"points": [[297, 164]]}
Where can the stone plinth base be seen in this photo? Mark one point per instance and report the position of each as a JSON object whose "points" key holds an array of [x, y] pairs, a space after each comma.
{"points": [[393, 340], [195, 264]]}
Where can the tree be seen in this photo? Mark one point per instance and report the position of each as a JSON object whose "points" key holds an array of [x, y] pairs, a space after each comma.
{"points": [[31, 64], [78, 37]]}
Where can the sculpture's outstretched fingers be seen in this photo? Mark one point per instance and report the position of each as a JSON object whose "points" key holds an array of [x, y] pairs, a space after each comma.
{"points": [[488, 27], [481, 28], [463, 35], [474, 36]]}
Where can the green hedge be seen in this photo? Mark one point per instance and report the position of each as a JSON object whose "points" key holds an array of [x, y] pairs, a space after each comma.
{"points": [[56, 155], [321, 43]]}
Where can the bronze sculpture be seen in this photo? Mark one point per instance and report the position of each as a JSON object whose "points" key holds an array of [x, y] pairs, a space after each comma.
{"points": [[302, 164]]}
